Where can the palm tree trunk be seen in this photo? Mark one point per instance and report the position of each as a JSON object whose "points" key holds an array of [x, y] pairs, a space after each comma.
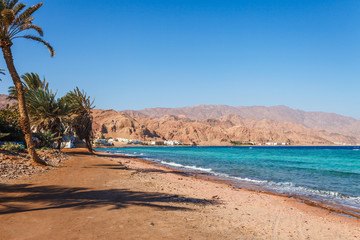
{"points": [[59, 140], [88, 144], [24, 118]]}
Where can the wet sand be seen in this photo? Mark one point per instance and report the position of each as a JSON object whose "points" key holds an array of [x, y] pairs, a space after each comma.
{"points": [[107, 196]]}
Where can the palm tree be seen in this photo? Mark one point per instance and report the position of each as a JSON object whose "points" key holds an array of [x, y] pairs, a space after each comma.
{"points": [[46, 112], [15, 21], [80, 106]]}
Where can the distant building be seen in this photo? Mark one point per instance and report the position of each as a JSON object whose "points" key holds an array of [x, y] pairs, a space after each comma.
{"points": [[156, 143], [172, 143], [129, 141], [123, 140], [102, 142], [276, 144], [135, 141]]}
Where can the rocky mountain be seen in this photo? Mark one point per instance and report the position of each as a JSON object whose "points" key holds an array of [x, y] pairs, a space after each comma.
{"points": [[315, 120], [118, 124], [211, 131]]}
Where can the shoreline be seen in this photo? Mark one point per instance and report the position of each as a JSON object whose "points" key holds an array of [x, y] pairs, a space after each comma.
{"points": [[335, 208], [245, 146]]}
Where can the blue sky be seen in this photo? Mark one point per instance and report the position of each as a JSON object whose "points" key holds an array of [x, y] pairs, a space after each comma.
{"points": [[137, 54]]}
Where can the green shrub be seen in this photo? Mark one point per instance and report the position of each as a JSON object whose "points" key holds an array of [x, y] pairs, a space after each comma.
{"points": [[238, 143], [46, 139], [12, 146]]}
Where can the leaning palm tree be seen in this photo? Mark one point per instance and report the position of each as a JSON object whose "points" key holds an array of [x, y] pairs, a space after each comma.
{"points": [[15, 21]]}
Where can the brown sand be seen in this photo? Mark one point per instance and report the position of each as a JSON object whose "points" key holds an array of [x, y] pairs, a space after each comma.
{"points": [[105, 196]]}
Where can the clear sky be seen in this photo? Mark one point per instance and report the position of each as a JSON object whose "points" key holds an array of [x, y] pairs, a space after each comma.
{"points": [[172, 53]]}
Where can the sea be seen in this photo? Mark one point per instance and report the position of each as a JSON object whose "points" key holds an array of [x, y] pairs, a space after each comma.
{"points": [[326, 175]]}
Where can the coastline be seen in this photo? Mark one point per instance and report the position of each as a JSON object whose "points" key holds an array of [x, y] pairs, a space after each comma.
{"points": [[109, 196], [335, 208], [312, 200], [245, 146]]}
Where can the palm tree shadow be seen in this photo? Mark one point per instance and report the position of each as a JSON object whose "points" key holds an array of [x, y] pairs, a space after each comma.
{"points": [[15, 198]]}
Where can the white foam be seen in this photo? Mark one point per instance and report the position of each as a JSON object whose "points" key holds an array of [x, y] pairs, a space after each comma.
{"points": [[290, 188], [185, 166]]}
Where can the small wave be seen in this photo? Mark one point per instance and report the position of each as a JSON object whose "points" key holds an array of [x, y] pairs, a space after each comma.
{"points": [[185, 166], [290, 188], [250, 180], [241, 178]]}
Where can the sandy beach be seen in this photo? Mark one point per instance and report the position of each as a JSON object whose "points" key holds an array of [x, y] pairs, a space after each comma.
{"points": [[108, 196]]}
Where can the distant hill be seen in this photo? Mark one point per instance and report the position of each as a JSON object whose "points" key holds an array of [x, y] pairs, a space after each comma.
{"points": [[314, 120], [210, 131]]}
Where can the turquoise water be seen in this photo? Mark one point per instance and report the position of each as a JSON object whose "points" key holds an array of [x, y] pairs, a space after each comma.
{"points": [[327, 174]]}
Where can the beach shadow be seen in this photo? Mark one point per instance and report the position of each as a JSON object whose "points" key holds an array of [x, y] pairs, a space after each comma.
{"points": [[149, 170], [110, 155], [117, 166], [15, 198]]}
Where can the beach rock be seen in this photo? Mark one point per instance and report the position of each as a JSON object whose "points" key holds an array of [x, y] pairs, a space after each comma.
{"points": [[16, 164]]}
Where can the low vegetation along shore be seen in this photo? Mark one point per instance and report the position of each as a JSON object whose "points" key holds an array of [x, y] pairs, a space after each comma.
{"points": [[108, 196]]}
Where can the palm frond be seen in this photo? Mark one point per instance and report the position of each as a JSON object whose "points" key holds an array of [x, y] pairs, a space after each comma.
{"points": [[11, 4], [15, 19], [18, 8], [2, 72], [38, 39], [28, 12], [32, 26], [30, 81], [12, 92]]}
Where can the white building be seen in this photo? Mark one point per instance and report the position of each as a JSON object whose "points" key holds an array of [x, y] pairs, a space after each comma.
{"points": [[123, 140], [128, 141], [172, 143], [135, 141]]}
